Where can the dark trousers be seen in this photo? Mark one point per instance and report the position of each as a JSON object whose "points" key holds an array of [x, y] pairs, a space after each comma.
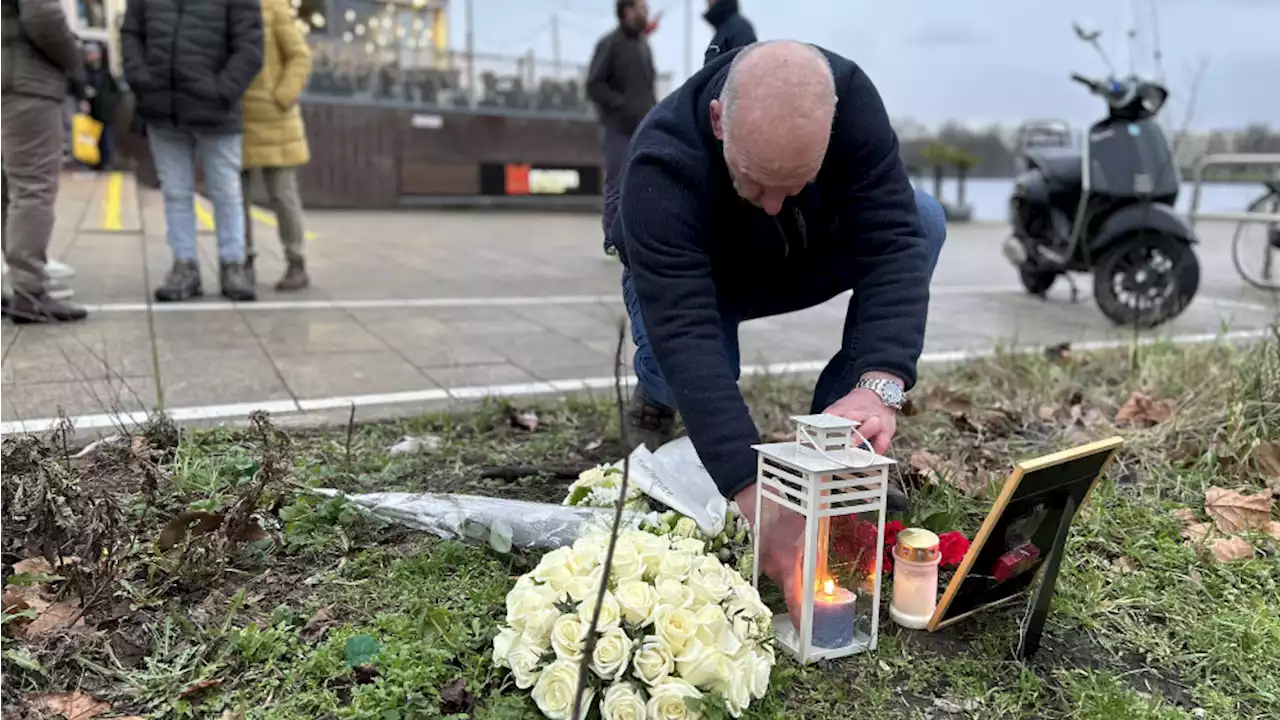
{"points": [[614, 144], [836, 380]]}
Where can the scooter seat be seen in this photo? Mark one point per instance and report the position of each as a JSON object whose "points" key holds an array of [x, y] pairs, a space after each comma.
{"points": [[1060, 166]]}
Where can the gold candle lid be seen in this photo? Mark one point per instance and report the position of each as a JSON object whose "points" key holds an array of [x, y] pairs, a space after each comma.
{"points": [[916, 545]]}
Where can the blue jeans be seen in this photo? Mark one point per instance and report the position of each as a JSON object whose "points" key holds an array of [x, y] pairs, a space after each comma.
{"points": [[834, 382], [175, 153], [614, 146]]}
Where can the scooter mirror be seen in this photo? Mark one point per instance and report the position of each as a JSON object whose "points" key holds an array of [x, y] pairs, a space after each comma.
{"points": [[1087, 31]]}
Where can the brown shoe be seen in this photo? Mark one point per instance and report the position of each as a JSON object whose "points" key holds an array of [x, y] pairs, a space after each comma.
{"points": [[648, 424], [295, 276], [23, 309]]}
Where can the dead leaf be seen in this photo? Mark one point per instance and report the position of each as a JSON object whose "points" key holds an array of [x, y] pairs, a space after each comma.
{"points": [[1123, 564], [945, 400], [454, 697], [196, 687], [39, 566], [1047, 412], [1229, 549], [1268, 456], [71, 705], [199, 523], [525, 419], [1233, 512], [937, 470], [1185, 515], [1196, 532], [1273, 529], [57, 616], [1143, 411], [317, 626]]}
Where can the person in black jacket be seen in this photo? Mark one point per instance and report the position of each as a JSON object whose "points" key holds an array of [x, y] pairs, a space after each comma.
{"points": [[189, 62], [101, 96], [621, 84], [732, 31]]}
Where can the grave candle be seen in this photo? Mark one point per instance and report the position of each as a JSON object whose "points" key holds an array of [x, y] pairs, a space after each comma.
{"points": [[915, 578], [832, 616]]}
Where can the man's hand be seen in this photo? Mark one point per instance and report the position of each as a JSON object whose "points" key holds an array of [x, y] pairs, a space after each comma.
{"points": [[782, 551], [878, 422], [84, 107]]}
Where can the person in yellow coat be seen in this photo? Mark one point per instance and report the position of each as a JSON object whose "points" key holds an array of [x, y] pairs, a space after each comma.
{"points": [[275, 141]]}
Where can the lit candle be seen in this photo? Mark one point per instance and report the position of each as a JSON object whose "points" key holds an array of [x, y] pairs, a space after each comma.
{"points": [[915, 578], [832, 616]]}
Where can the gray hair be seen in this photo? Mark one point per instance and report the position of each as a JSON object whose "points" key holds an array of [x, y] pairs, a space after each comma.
{"points": [[729, 93]]}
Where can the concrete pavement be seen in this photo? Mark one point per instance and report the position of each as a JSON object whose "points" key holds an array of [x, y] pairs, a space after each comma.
{"points": [[416, 310]]}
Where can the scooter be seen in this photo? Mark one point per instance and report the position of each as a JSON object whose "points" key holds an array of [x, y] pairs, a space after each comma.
{"points": [[1107, 210]]}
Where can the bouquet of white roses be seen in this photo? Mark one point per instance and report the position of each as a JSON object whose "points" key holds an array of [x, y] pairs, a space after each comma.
{"points": [[675, 623], [599, 487]]}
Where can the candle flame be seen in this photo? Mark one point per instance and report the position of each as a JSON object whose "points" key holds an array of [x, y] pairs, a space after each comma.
{"points": [[829, 586]]}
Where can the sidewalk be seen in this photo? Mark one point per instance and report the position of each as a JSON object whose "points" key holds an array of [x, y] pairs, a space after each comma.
{"points": [[416, 310]]}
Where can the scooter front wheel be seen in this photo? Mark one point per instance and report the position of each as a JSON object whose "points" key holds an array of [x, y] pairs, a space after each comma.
{"points": [[1146, 279]]}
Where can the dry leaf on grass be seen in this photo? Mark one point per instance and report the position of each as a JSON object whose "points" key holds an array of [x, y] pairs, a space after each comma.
{"points": [[317, 626], [945, 400], [199, 523], [39, 566], [1123, 564], [1229, 549], [1185, 515], [58, 616], [938, 470], [70, 705], [1143, 411], [1268, 456], [1196, 532], [196, 687], [1233, 512]]}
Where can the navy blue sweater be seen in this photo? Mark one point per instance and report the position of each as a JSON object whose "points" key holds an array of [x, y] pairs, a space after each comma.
{"points": [[698, 253], [732, 31]]}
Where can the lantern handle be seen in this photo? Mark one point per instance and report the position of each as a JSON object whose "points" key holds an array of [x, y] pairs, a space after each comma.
{"points": [[805, 431]]}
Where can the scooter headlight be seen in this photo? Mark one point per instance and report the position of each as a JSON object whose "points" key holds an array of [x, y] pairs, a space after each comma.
{"points": [[1153, 98]]}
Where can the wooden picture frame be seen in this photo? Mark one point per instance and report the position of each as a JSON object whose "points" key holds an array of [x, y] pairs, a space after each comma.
{"points": [[1024, 536]]}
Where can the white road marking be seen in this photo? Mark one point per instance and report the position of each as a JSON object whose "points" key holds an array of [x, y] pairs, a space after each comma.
{"points": [[1243, 304], [239, 411], [444, 302]]}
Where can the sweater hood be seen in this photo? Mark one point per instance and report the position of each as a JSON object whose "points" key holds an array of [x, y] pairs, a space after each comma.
{"points": [[720, 12]]}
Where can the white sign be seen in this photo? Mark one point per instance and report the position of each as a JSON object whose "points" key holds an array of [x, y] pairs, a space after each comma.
{"points": [[553, 182], [427, 122]]}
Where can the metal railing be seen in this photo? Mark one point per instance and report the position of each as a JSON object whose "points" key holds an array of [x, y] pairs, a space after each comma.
{"points": [[1268, 160]]}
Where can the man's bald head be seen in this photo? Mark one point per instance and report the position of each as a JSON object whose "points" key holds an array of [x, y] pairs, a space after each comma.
{"points": [[774, 117]]}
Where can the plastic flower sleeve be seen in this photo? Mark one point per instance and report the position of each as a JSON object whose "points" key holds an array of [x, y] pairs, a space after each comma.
{"points": [[516, 523]]}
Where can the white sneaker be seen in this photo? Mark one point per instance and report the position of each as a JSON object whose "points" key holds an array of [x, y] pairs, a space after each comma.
{"points": [[58, 291], [58, 270]]}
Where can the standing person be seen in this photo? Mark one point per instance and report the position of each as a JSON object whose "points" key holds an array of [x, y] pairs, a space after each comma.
{"points": [[102, 96], [771, 182], [732, 31], [40, 53], [189, 63], [620, 83], [275, 141]]}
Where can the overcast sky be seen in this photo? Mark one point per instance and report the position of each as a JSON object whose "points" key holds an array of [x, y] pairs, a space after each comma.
{"points": [[978, 61]]}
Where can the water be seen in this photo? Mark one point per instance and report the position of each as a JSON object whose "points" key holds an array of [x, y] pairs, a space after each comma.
{"points": [[990, 196]]}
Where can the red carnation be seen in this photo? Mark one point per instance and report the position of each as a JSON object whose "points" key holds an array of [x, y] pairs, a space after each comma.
{"points": [[891, 530], [952, 546]]}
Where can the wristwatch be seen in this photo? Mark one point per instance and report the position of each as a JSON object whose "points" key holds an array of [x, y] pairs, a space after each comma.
{"points": [[891, 393]]}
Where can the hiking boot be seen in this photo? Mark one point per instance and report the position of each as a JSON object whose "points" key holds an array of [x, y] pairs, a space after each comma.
{"points": [[23, 308], [295, 276], [182, 282], [648, 424], [236, 285]]}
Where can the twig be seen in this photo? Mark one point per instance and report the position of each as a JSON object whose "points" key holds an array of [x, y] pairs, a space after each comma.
{"points": [[589, 645], [351, 431], [515, 472]]}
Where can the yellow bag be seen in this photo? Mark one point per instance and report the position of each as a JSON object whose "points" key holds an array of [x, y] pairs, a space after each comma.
{"points": [[85, 133]]}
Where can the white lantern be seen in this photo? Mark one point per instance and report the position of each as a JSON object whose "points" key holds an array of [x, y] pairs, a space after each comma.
{"points": [[803, 486]]}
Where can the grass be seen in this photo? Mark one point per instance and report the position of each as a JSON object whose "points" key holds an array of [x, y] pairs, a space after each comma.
{"points": [[334, 615]]}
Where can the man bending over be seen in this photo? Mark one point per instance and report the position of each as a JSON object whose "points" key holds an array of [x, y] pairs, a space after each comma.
{"points": [[770, 182]]}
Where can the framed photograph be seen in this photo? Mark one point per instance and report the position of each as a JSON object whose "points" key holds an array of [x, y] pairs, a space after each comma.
{"points": [[1025, 534]]}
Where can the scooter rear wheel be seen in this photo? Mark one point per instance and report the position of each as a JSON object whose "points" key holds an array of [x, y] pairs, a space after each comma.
{"points": [[1146, 279]]}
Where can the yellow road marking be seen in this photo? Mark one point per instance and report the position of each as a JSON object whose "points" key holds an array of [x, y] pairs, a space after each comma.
{"points": [[204, 216], [262, 216], [111, 210]]}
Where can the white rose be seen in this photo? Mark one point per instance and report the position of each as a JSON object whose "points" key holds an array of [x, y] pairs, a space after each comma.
{"points": [[685, 528], [737, 690], [673, 592], [610, 613], [628, 563], [583, 586], [675, 565], [714, 630], [555, 568], [710, 580], [676, 626], [566, 637], [693, 546], [529, 604], [622, 701], [612, 652], [537, 626], [524, 659], [669, 701], [556, 688], [756, 668], [704, 665], [652, 549], [586, 554], [653, 661], [502, 646], [636, 598]]}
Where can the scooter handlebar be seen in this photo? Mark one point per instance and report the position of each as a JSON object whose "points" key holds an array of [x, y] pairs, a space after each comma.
{"points": [[1091, 84]]}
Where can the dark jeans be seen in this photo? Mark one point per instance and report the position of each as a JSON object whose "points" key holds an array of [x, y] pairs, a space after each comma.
{"points": [[106, 147], [835, 381], [614, 144]]}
